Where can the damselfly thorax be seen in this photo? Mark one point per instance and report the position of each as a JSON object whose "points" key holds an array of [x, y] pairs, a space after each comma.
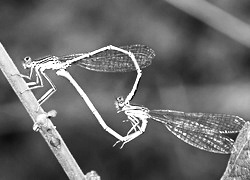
{"points": [[45, 63]]}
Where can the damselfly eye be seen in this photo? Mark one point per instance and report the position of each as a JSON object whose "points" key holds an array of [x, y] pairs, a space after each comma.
{"points": [[26, 62], [120, 99], [119, 103], [27, 59]]}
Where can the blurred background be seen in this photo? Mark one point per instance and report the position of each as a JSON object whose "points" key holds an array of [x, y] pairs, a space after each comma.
{"points": [[201, 65]]}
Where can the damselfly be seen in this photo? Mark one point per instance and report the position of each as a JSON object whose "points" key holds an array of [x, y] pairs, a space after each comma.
{"points": [[107, 59], [202, 130]]}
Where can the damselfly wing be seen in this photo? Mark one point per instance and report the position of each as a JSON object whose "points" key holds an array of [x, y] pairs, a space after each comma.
{"points": [[203, 130], [115, 61]]}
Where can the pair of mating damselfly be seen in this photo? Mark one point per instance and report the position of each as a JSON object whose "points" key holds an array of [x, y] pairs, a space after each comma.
{"points": [[202, 130]]}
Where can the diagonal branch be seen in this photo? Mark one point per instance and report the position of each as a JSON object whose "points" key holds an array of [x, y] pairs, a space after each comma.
{"points": [[49, 133], [215, 18]]}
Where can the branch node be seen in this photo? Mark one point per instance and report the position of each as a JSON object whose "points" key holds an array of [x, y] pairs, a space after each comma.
{"points": [[42, 120]]}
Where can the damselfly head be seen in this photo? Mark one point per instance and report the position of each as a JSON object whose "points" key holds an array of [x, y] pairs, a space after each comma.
{"points": [[119, 103], [27, 62]]}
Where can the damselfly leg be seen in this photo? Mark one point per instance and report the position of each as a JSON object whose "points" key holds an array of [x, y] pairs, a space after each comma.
{"points": [[39, 72], [137, 115], [49, 93], [135, 124]]}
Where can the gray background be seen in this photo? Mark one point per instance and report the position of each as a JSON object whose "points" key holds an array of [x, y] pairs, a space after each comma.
{"points": [[196, 69]]}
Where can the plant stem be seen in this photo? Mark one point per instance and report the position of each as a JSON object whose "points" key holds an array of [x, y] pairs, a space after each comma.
{"points": [[216, 18], [49, 133]]}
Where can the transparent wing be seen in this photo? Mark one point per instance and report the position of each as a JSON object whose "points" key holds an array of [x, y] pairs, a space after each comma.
{"points": [[115, 61], [217, 143], [202, 130], [202, 122]]}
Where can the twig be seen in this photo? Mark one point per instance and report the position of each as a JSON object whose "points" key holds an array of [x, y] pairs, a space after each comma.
{"points": [[216, 18], [49, 133]]}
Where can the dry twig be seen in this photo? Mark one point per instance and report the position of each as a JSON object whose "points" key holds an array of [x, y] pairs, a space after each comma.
{"points": [[49, 133]]}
